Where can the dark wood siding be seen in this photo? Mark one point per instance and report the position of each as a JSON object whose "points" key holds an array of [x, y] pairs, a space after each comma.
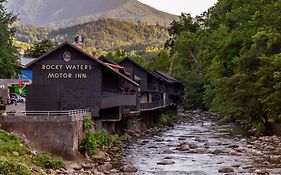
{"points": [[135, 70], [65, 93]]}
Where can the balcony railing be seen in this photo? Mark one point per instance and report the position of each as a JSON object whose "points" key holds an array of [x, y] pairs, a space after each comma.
{"points": [[119, 100], [151, 105], [174, 91], [49, 113]]}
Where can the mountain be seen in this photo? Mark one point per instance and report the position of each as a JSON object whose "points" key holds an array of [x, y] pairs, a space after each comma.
{"points": [[59, 13], [103, 33]]}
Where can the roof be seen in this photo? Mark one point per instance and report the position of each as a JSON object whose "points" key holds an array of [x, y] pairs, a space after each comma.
{"points": [[106, 60], [89, 56], [139, 66], [167, 77], [25, 61]]}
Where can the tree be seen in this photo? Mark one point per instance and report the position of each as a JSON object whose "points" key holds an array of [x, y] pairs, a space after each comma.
{"points": [[8, 53], [40, 48], [229, 59]]}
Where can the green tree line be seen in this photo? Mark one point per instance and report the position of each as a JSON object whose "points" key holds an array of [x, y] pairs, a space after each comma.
{"points": [[230, 60]]}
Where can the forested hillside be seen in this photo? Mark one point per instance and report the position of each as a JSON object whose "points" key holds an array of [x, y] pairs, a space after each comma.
{"points": [[104, 33], [230, 60]]}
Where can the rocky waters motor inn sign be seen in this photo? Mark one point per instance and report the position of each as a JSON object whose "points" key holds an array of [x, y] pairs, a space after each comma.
{"points": [[60, 71]]}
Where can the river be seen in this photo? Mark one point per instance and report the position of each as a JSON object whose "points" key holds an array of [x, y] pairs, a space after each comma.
{"points": [[198, 146]]}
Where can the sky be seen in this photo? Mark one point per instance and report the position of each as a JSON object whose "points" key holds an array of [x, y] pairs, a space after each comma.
{"points": [[194, 7]]}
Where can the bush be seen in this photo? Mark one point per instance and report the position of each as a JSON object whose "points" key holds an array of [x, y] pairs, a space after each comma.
{"points": [[165, 119], [87, 122], [92, 141], [45, 160], [13, 168]]}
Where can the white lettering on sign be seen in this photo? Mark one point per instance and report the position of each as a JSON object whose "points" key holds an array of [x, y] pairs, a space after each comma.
{"points": [[66, 75], [80, 76], [59, 75], [52, 67]]}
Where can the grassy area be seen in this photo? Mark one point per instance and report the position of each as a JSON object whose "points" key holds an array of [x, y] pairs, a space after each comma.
{"points": [[16, 159]]}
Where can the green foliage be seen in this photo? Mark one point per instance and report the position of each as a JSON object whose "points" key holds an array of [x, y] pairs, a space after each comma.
{"points": [[13, 168], [93, 141], [165, 119], [15, 158], [125, 137], [39, 48], [87, 122], [8, 54], [195, 91], [229, 59], [46, 160], [10, 143]]}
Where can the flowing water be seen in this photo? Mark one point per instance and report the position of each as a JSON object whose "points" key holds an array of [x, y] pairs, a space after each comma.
{"points": [[212, 150]]}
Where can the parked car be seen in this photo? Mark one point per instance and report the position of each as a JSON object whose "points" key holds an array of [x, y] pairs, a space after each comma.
{"points": [[14, 98]]}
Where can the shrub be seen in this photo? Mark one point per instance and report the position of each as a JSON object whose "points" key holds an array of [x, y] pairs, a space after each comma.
{"points": [[165, 119], [13, 168], [87, 122], [92, 141], [45, 160]]}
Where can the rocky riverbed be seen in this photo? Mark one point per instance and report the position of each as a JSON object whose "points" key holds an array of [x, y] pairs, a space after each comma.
{"points": [[199, 146], [195, 145]]}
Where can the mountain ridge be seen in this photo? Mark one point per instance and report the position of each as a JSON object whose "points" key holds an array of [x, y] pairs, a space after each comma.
{"points": [[64, 13]]}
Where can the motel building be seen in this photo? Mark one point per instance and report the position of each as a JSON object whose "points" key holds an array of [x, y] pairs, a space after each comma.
{"points": [[68, 78], [69, 84]]}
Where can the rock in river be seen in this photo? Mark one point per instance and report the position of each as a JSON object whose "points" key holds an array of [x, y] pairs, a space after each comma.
{"points": [[129, 169], [184, 147], [226, 170], [166, 162]]}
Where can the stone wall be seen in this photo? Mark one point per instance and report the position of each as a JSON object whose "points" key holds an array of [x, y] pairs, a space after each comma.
{"points": [[143, 121], [59, 135]]}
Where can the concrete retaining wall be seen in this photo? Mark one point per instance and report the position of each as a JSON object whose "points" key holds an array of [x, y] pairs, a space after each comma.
{"points": [[59, 135], [144, 120]]}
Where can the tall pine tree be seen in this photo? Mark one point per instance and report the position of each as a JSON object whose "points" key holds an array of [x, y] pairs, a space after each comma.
{"points": [[9, 63]]}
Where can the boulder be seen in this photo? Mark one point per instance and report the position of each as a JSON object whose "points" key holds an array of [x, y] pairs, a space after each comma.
{"points": [[218, 151], [184, 147], [76, 166], [166, 162], [129, 169], [261, 172], [200, 150], [142, 142], [167, 151], [87, 166], [105, 167], [226, 170], [100, 155]]}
